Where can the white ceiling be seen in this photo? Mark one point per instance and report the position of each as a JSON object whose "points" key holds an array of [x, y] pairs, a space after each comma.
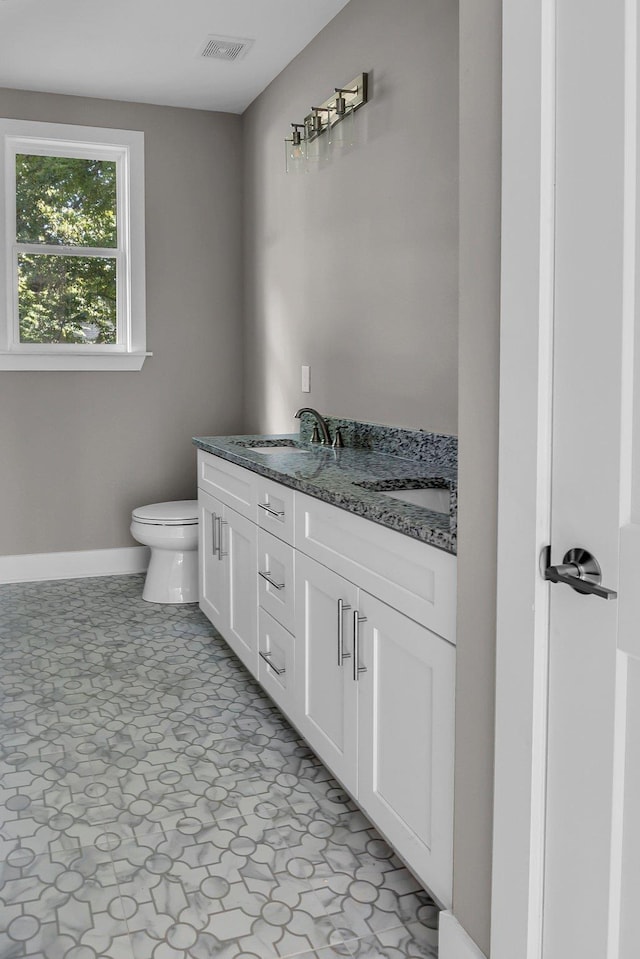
{"points": [[148, 50]]}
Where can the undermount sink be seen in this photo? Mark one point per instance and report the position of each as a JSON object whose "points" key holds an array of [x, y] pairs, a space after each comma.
{"points": [[278, 449], [272, 446], [432, 498]]}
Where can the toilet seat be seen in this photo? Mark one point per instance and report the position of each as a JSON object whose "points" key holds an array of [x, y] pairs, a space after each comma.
{"points": [[181, 513]]}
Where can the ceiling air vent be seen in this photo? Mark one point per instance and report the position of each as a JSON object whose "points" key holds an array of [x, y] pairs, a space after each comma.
{"points": [[225, 48]]}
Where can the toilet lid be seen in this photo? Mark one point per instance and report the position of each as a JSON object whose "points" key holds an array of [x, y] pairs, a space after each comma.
{"points": [[180, 513]]}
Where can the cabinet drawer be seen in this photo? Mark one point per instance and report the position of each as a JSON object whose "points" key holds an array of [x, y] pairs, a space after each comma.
{"points": [[231, 484], [275, 578], [276, 661], [409, 575], [274, 509]]}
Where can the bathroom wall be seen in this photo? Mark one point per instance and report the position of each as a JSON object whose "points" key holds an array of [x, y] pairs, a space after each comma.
{"points": [[353, 269], [80, 450]]}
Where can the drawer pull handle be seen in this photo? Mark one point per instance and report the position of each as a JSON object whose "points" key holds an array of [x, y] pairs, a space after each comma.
{"points": [[277, 670], [267, 575], [271, 512], [357, 668], [342, 608]]}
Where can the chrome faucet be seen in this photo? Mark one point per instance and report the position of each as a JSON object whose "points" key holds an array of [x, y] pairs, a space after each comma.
{"points": [[326, 438]]}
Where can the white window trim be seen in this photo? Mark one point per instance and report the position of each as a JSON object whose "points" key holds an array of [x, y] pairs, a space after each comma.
{"points": [[126, 147]]}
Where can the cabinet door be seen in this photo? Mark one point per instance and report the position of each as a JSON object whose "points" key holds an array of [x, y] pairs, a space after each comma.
{"points": [[239, 551], [212, 569], [406, 724], [326, 710]]}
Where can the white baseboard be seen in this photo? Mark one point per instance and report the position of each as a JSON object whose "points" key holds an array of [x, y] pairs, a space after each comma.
{"points": [[454, 942], [32, 567]]}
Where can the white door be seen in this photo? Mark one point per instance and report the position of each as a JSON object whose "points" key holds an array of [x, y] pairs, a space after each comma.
{"points": [[405, 746], [592, 892], [327, 708], [238, 544], [583, 822], [211, 568]]}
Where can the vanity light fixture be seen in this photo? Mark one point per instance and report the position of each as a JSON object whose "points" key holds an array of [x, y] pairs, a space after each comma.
{"points": [[343, 134], [296, 150], [341, 103], [316, 125], [317, 145], [329, 128]]}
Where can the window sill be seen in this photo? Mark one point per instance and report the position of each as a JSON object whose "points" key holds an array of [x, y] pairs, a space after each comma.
{"points": [[68, 361]]}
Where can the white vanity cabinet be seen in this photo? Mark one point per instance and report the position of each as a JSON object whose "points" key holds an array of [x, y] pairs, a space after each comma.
{"points": [[405, 699], [246, 569], [276, 599], [227, 556], [211, 569], [326, 709], [375, 690], [350, 627], [228, 589]]}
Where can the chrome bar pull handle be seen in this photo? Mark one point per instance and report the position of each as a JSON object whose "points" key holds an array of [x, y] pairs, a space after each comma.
{"points": [[271, 512], [221, 523], [342, 608], [217, 520], [267, 576], [580, 570], [357, 668], [214, 527], [279, 671]]}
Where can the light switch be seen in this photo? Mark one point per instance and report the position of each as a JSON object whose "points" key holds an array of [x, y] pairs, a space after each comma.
{"points": [[306, 379]]}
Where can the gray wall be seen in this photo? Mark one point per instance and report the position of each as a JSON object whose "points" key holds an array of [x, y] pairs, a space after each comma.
{"points": [[479, 327], [353, 269], [80, 450]]}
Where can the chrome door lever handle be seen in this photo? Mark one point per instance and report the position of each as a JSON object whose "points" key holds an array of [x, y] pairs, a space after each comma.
{"points": [[580, 570]]}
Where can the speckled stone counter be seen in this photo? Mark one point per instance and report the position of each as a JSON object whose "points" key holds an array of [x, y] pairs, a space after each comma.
{"points": [[374, 459]]}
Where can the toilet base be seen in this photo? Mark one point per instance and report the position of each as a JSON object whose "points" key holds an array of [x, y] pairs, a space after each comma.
{"points": [[172, 577]]}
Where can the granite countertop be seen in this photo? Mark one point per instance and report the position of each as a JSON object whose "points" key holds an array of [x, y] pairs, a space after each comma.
{"points": [[355, 477]]}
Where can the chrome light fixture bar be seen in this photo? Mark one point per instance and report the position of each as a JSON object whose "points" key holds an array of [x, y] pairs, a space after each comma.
{"points": [[325, 119], [342, 101]]}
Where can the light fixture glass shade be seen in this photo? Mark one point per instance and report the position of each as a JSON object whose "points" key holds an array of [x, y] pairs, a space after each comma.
{"points": [[343, 133], [295, 155], [317, 151]]}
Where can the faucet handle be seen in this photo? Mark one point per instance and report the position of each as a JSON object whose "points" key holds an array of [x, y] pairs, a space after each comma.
{"points": [[338, 442], [315, 435]]}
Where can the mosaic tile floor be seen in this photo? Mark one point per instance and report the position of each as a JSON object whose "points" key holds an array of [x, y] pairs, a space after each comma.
{"points": [[154, 802]]}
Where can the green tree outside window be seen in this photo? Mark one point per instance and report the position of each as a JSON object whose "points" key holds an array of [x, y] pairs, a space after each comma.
{"points": [[70, 203]]}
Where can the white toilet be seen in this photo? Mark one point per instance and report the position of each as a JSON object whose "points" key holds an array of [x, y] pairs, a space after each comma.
{"points": [[171, 530]]}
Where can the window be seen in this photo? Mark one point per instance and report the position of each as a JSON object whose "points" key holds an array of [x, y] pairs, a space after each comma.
{"points": [[72, 247]]}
